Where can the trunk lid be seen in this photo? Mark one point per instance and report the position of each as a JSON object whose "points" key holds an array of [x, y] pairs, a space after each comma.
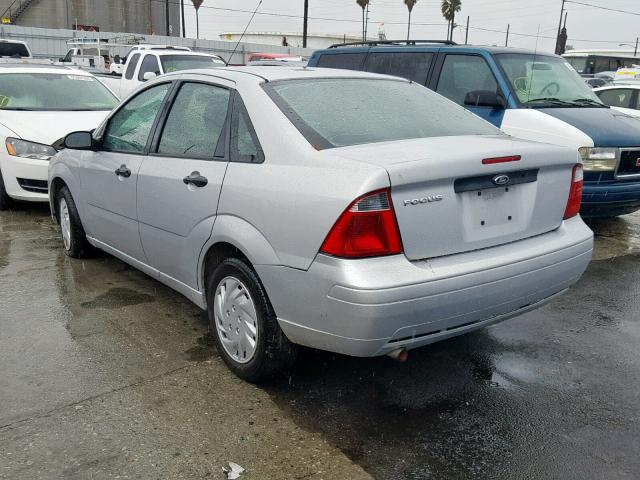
{"points": [[447, 201]]}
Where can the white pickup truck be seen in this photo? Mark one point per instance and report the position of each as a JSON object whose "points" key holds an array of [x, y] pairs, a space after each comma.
{"points": [[146, 63]]}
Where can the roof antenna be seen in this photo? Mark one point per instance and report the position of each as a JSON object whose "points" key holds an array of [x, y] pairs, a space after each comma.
{"points": [[245, 31]]}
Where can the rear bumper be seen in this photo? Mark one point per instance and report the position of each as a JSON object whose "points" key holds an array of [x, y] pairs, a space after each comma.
{"points": [[610, 199], [371, 307], [24, 178]]}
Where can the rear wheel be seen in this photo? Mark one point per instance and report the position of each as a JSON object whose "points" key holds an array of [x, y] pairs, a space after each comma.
{"points": [[244, 324], [73, 237], [5, 201]]}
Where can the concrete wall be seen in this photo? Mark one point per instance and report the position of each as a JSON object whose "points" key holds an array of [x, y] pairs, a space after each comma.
{"points": [[135, 16], [50, 43]]}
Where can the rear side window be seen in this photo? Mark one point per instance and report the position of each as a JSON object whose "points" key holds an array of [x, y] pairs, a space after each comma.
{"points": [[8, 49], [617, 97], [350, 111], [245, 146], [462, 74], [195, 122], [348, 61], [410, 65], [133, 63], [149, 64]]}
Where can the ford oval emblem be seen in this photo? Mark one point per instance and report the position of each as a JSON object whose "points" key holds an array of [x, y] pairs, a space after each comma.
{"points": [[501, 180]]}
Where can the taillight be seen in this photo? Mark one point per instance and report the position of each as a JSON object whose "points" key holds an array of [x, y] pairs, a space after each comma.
{"points": [[575, 194], [367, 228]]}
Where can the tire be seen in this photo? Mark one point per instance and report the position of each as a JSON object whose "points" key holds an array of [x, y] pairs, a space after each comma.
{"points": [[270, 352], [74, 240], [5, 201]]}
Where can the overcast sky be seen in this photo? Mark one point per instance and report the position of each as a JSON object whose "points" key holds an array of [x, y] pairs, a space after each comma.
{"points": [[587, 27]]}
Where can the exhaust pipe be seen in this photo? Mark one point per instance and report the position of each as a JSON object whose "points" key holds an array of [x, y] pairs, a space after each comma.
{"points": [[400, 355]]}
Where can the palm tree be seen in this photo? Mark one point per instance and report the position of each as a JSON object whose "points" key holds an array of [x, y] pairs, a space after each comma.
{"points": [[410, 4], [449, 9], [196, 5], [363, 4]]}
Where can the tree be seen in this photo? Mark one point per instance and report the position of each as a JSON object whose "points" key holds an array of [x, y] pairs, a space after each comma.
{"points": [[363, 4], [410, 4], [449, 9], [196, 5]]}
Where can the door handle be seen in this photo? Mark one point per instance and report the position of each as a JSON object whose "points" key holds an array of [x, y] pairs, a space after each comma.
{"points": [[123, 171], [195, 179]]}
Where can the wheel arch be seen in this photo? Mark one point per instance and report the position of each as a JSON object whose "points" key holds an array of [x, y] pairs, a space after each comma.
{"points": [[233, 236]]}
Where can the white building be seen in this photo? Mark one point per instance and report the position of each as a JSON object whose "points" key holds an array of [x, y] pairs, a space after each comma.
{"points": [[315, 41]]}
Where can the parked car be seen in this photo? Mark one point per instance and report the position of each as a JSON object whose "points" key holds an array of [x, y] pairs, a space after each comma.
{"points": [[15, 49], [39, 105], [621, 97], [345, 211], [146, 63], [530, 95]]}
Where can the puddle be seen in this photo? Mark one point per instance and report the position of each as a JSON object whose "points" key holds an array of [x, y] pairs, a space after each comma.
{"points": [[118, 298]]}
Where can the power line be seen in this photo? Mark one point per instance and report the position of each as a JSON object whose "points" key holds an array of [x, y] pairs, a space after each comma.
{"points": [[603, 8]]}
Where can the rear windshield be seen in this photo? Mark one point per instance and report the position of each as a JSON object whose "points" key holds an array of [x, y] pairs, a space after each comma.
{"points": [[351, 111], [174, 63], [53, 91], [8, 49]]}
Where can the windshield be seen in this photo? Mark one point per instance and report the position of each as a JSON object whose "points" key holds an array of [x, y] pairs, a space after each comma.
{"points": [[173, 63], [334, 112], [53, 91], [579, 63], [545, 81]]}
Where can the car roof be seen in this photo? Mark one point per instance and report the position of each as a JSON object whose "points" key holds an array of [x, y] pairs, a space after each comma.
{"points": [[170, 51], [633, 86], [44, 69], [493, 50], [266, 73]]}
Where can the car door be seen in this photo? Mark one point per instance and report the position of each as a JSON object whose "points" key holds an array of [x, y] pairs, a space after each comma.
{"points": [[461, 74], [179, 183], [109, 175]]}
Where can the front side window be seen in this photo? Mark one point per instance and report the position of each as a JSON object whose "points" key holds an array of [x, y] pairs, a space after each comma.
{"points": [[131, 68], [350, 111], [174, 63], [541, 81], [196, 121], [54, 91], [348, 61], [617, 97], [129, 128], [9, 49], [149, 64], [462, 74], [410, 65]]}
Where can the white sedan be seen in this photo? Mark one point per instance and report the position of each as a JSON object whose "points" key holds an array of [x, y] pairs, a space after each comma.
{"points": [[622, 97], [38, 106]]}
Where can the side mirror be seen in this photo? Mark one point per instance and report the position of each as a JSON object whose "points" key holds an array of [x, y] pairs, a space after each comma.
{"points": [[79, 141], [485, 98], [148, 76]]}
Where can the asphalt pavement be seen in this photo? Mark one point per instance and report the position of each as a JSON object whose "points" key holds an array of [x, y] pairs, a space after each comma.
{"points": [[105, 373]]}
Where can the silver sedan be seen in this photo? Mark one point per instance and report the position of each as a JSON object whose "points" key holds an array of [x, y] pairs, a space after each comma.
{"points": [[345, 211]]}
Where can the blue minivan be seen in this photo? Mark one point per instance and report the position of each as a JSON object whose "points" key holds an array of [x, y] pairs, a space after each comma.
{"points": [[531, 95]]}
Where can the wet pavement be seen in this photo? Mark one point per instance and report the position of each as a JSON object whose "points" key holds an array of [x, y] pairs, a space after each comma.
{"points": [[105, 373]]}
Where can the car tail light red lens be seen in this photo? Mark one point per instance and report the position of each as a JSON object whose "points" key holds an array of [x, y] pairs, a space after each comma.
{"points": [[367, 228], [491, 161], [575, 194]]}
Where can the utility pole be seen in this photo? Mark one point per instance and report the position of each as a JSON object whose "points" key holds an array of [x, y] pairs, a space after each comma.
{"points": [[305, 24], [635, 52], [166, 15], [366, 24], [184, 30], [466, 35], [559, 29], [506, 42]]}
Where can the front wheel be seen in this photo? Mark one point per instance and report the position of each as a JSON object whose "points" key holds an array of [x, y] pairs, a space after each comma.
{"points": [[74, 238], [244, 324]]}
